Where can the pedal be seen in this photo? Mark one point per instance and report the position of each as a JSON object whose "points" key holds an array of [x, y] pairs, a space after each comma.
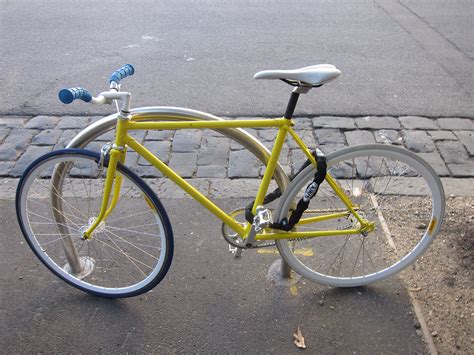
{"points": [[237, 252], [263, 218]]}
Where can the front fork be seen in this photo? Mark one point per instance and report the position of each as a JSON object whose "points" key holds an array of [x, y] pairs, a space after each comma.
{"points": [[112, 181]]}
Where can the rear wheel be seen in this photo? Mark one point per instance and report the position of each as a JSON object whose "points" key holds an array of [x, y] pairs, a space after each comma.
{"points": [[59, 197], [390, 186]]}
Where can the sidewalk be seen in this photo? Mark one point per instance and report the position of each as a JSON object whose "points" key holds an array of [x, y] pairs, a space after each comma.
{"points": [[208, 303], [446, 143]]}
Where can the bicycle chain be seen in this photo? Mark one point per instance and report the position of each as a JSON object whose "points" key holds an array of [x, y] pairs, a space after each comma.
{"points": [[269, 244], [262, 244]]}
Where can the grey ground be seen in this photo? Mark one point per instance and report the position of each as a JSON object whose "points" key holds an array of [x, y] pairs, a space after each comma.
{"points": [[208, 303], [407, 79]]}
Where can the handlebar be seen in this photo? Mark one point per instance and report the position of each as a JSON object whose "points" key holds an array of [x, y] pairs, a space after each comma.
{"points": [[66, 96], [122, 73]]}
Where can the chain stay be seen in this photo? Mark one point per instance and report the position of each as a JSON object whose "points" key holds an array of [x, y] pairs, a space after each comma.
{"points": [[236, 248]]}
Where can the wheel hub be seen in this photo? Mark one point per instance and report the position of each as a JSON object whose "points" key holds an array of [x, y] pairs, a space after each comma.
{"points": [[366, 227], [90, 222]]}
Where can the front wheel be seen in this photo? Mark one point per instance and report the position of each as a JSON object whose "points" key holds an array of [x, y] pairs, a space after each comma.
{"points": [[59, 197], [389, 186]]}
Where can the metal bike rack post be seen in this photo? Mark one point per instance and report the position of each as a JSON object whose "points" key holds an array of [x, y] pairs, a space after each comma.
{"points": [[163, 113], [285, 270], [69, 249]]}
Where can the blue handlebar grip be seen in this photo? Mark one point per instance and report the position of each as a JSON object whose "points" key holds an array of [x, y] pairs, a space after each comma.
{"points": [[122, 73], [66, 96]]}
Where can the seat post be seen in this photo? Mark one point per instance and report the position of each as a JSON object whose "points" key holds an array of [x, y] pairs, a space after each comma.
{"points": [[290, 108], [295, 94]]}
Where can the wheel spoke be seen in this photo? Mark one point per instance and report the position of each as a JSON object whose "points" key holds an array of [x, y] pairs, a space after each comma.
{"points": [[135, 245]]}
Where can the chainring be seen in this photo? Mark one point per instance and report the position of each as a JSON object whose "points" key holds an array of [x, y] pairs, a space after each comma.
{"points": [[235, 239]]}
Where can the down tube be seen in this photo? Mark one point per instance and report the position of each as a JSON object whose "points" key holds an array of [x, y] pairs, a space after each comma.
{"points": [[178, 180]]}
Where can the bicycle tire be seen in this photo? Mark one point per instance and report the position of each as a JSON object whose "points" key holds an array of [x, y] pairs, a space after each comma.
{"points": [[406, 184], [122, 259]]}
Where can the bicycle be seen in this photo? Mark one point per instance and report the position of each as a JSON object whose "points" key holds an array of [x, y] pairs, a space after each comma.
{"points": [[98, 226]]}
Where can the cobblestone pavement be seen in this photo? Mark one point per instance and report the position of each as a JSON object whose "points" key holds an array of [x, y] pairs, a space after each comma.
{"points": [[446, 143]]}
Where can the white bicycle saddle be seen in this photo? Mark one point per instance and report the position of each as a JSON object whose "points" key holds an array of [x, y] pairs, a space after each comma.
{"points": [[314, 75]]}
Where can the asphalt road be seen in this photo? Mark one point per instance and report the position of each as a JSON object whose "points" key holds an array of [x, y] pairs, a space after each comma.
{"points": [[401, 57]]}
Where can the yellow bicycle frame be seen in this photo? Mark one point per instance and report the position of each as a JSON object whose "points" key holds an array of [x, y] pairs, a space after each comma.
{"points": [[124, 140]]}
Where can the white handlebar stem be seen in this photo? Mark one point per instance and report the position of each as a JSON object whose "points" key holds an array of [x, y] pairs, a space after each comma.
{"points": [[107, 97]]}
